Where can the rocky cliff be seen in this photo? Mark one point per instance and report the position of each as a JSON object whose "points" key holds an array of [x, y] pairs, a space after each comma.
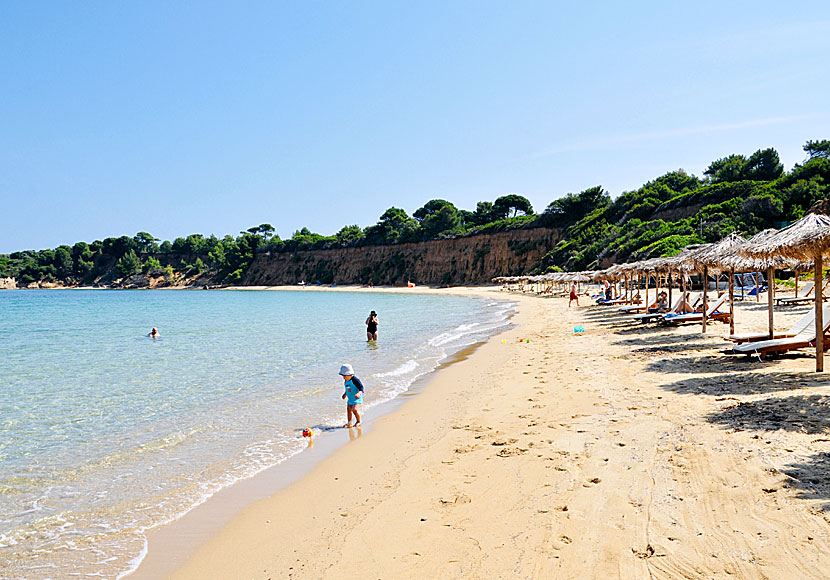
{"points": [[8, 283], [465, 260]]}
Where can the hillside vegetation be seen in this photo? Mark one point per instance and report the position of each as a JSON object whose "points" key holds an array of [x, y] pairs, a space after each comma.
{"points": [[736, 193]]}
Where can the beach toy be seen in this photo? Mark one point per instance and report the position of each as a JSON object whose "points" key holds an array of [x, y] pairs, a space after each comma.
{"points": [[503, 340], [579, 329], [307, 432]]}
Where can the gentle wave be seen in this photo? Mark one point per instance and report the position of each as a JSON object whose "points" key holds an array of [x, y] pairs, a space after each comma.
{"points": [[146, 452]]}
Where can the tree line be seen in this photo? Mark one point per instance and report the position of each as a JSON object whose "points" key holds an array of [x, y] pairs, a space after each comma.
{"points": [[735, 193], [227, 259]]}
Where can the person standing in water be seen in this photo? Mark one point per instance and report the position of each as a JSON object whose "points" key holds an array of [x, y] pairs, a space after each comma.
{"points": [[154, 333], [353, 395], [372, 326]]}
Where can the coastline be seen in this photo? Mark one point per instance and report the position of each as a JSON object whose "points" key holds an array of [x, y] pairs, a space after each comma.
{"points": [[627, 452], [169, 544]]}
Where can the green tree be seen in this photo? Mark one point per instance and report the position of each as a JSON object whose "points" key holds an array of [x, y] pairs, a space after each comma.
{"points": [[573, 207], [511, 202], [145, 243], [430, 208], [349, 235], [265, 231], [818, 149], [394, 226], [152, 266], [128, 264], [64, 264], [763, 165], [729, 168], [444, 222], [484, 213]]}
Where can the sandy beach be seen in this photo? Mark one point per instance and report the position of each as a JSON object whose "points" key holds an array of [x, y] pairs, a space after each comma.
{"points": [[627, 452]]}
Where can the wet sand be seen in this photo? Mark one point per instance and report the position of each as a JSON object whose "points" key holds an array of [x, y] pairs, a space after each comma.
{"points": [[626, 452]]}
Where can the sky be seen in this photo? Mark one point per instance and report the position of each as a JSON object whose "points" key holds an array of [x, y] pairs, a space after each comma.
{"points": [[211, 117]]}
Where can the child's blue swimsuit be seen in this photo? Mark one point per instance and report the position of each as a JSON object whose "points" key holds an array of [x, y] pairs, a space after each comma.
{"points": [[353, 385]]}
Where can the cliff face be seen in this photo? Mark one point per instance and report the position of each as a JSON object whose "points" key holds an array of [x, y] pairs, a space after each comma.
{"points": [[470, 260], [8, 283]]}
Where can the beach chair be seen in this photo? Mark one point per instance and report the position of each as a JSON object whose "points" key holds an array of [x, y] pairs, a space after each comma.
{"points": [[637, 305], [803, 323], [712, 313], [652, 316], [745, 285], [802, 297], [804, 339]]}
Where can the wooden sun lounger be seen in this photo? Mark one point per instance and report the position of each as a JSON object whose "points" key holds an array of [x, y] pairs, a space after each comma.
{"points": [[804, 339], [616, 301], [651, 316], [803, 324], [803, 295], [765, 347], [712, 313]]}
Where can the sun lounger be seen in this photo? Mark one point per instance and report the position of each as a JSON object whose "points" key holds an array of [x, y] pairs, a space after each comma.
{"points": [[804, 339], [712, 313], [803, 323], [803, 295], [615, 301], [651, 316]]}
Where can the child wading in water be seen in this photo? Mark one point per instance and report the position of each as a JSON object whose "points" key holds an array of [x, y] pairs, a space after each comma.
{"points": [[353, 394]]}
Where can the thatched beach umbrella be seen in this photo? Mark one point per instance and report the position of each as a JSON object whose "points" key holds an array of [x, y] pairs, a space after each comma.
{"points": [[806, 239], [684, 263], [717, 256]]}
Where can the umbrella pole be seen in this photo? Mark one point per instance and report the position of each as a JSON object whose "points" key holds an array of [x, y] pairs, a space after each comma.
{"points": [[705, 295], [796, 284], [683, 293], [757, 287], [770, 298], [819, 316], [668, 283], [646, 303], [732, 301]]}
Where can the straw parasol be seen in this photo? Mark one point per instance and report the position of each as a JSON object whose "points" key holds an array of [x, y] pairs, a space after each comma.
{"points": [[806, 239], [717, 256]]}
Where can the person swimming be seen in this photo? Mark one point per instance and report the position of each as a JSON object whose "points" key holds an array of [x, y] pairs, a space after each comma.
{"points": [[154, 333]]}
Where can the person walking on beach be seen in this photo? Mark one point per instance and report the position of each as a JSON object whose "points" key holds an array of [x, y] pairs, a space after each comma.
{"points": [[574, 295], [353, 394], [372, 327]]}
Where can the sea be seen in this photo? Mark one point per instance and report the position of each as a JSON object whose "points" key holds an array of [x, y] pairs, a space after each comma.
{"points": [[106, 433]]}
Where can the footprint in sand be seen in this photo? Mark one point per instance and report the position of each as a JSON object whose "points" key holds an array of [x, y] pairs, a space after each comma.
{"points": [[591, 482], [565, 539], [511, 451]]}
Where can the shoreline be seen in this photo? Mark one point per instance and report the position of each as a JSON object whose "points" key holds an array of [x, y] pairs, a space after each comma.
{"points": [[168, 545], [626, 451]]}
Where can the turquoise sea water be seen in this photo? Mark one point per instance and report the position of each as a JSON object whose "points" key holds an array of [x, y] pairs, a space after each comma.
{"points": [[105, 432]]}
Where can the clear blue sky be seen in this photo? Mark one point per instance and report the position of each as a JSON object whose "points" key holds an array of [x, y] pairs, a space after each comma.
{"points": [[204, 117]]}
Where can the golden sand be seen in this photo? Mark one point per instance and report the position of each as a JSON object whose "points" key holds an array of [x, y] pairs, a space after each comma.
{"points": [[627, 452]]}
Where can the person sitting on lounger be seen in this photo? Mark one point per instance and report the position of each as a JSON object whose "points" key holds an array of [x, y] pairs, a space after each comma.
{"points": [[661, 304], [685, 308]]}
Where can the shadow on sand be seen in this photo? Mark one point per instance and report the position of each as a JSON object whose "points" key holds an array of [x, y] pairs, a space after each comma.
{"points": [[747, 383], [802, 413], [812, 478]]}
